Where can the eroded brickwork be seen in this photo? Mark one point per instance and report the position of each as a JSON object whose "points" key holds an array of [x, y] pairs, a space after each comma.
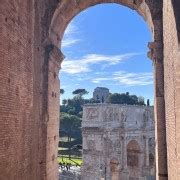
{"points": [[172, 88], [18, 128]]}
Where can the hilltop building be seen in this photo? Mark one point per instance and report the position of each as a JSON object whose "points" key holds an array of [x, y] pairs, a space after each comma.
{"points": [[101, 94]]}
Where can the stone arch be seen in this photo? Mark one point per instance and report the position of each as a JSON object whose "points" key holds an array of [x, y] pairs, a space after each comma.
{"points": [[133, 151], [151, 11], [137, 139], [133, 159]]}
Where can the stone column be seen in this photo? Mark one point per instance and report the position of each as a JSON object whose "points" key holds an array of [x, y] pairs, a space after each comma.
{"points": [[156, 54], [125, 154], [147, 151], [125, 175]]}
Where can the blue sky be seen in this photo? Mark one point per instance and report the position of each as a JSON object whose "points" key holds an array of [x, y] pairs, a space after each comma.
{"points": [[106, 45]]}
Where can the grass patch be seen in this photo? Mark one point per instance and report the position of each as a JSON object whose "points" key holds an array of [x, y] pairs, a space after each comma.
{"points": [[73, 161], [62, 148], [65, 139]]}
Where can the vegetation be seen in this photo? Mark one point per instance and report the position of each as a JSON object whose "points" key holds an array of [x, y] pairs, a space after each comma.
{"points": [[71, 118], [125, 98], [73, 161], [62, 91], [80, 92], [70, 127]]}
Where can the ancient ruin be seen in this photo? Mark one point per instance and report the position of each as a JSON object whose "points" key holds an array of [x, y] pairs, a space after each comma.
{"points": [[30, 60], [118, 142]]}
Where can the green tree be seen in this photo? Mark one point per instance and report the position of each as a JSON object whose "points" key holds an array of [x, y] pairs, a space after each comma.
{"points": [[141, 100], [148, 102], [125, 98], [64, 101], [62, 91], [70, 125], [80, 92]]}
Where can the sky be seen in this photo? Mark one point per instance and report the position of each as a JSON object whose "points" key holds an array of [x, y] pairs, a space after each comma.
{"points": [[106, 46]]}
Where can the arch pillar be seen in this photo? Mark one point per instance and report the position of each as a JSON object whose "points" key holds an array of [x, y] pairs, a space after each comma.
{"points": [[156, 54], [55, 58]]}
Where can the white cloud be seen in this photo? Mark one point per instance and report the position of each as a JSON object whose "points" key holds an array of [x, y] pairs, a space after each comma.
{"points": [[69, 42], [98, 80], [83, 64], [70, 36], [133, 79], [127, 79], [71, 29]]}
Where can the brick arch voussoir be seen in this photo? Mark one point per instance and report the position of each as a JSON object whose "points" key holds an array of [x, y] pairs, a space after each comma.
{"points": [[66, 11], [155, 8]]}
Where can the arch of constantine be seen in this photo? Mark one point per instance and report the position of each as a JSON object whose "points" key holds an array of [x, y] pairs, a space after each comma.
{"points": [[30, 59], [118, 142]]}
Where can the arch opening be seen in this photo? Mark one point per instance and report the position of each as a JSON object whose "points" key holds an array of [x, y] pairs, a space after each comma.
{"points": [[60, 22], [133, 151], [62, 18]]}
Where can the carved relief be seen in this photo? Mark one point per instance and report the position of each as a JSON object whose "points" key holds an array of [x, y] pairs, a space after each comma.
{"points": [[117, 146], [109, 114], [116, 142], [123, 116], [92, 113], [116, 115]]}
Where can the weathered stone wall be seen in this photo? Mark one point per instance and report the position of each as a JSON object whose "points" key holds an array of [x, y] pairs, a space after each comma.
{"points": [[172, 87], [118, 142]]}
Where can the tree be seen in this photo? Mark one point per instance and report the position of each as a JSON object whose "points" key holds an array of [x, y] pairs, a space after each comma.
{"points": [[80, 92], [148, 102], [120, 99], [135, 99], [64, 101], [141, 100], [70, 125], [62, 91], [125, 98]]}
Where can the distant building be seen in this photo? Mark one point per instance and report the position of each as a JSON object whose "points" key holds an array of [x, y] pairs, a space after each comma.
{"points": [[101, 94]]}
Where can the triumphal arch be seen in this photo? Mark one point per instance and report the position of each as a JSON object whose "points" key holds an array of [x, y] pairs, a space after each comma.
{"points": [[30, 59], [118, 142]]}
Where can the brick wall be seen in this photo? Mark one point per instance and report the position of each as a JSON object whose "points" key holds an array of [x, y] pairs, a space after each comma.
{"points": [[18, 128], [172, 90], [29, 113]]}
